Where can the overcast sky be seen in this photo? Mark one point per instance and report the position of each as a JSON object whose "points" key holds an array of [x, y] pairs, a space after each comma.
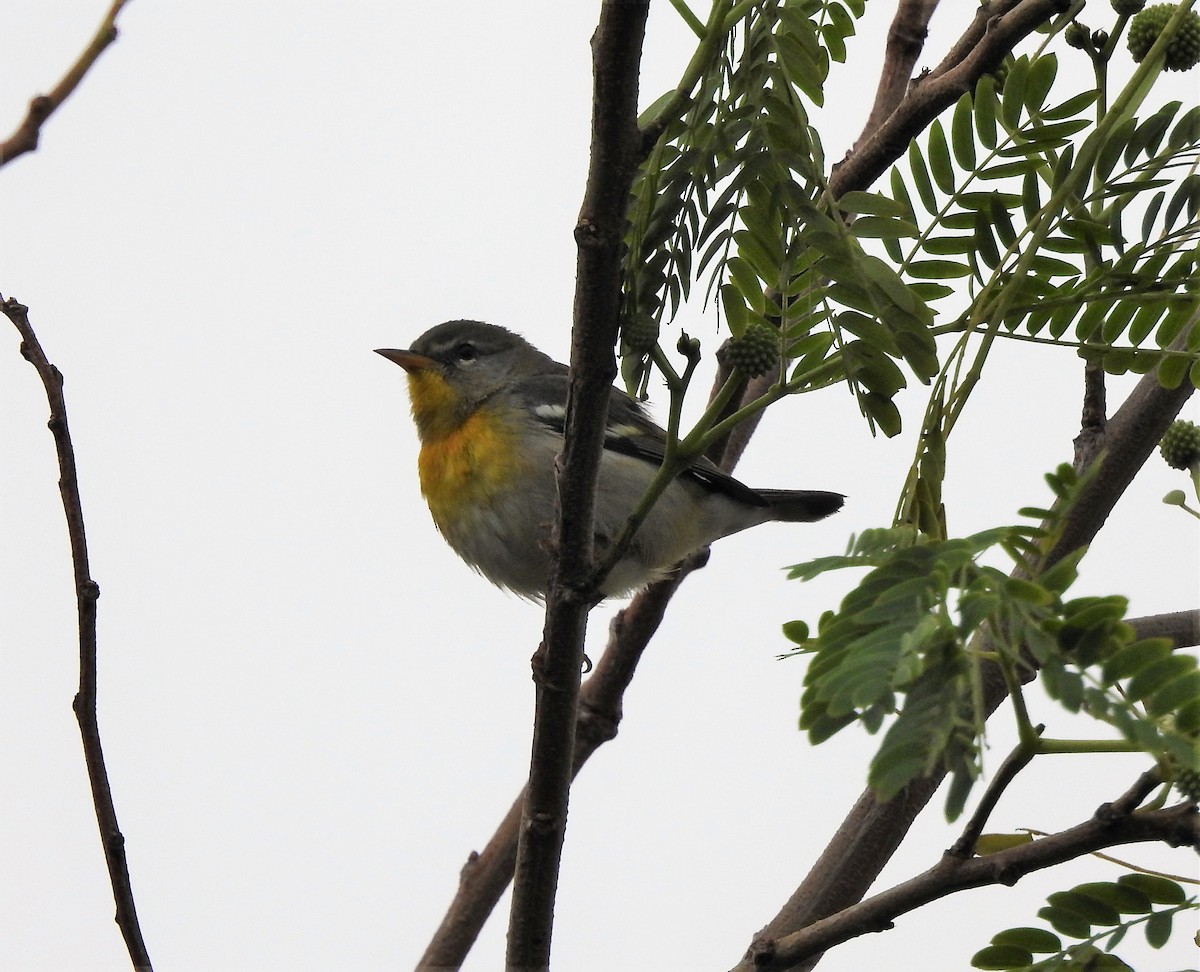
{"points": [[312, 710]]}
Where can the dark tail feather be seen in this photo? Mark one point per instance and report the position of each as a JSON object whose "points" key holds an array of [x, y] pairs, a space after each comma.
{"points": [[801, 505]]}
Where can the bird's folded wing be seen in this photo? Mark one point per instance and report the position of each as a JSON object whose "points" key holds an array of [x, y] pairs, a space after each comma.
{"points": [[630, 431]]}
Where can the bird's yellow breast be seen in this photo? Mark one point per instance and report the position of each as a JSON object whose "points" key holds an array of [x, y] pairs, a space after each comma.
{"points": [[464, 462]]}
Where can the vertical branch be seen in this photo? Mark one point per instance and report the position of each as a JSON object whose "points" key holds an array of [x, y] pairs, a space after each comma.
{"points": [[86, 594], [615, 152], [1090, 440]]}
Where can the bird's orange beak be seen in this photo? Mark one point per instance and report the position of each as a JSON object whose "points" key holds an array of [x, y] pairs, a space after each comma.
{"points": [[410, 361]]}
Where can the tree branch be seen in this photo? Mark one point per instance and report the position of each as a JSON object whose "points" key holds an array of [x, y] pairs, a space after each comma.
{"points": [[1016, 761], [25, 138], [486, 874], [616, 150], [905, 41], [1113, 824], [1182, 627], [998, 27], [86, 594]]}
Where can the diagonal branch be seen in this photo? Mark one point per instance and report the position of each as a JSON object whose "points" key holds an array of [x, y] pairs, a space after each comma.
{"points": [[86, 594], [1112, 825], [997, 28], [905, 41], [25, 138]]}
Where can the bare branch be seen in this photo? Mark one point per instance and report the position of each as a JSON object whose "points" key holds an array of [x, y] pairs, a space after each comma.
{"points": [[486, 874], [25, 138], [86, 594], [997, 28], [905, 41], [616, 150], [1016, 761], [1182, 627], [1095, 414]]}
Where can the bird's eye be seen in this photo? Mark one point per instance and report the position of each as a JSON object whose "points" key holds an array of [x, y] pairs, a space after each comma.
{"points": [[465, 352]]}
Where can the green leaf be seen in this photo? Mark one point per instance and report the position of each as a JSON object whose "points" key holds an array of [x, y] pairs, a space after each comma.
{"points": [[1186, 196], [994, 843], [1153, 677], [985, 111], [1072, 106], [1160, 890], [877, 227], [1065, 922], [1035, 940], [796, 631], [882, 410], [1173, 370], [1002, 957], [939, 158], [1111, 148], [920, 174], [1031, 201], [1006, 170], [962, 137], [1124, 898], [1040, 80], [1084, 906], [1149, 134], [872, 204], [1171, 696], [948, 245], [1013, 98], [937, 269], [736, 316], [1158, 928]]}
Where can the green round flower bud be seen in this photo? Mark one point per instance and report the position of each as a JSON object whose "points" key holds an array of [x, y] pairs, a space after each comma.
{"points": [[641, 334], [757, 351], [1183, 51], [1180, 445], [1099, 39], [1127, 8], [1187, 782], [1077, 35]]}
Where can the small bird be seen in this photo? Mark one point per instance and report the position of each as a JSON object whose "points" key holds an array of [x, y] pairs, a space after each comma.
{"points": [[489, 409]]}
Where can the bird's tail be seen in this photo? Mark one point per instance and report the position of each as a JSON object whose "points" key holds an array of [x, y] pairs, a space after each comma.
{"points": [[800, 505]]}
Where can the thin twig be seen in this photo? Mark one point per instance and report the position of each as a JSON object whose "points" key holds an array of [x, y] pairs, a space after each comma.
{"points": [[86, 594], [25, 138], [1016, 761]]}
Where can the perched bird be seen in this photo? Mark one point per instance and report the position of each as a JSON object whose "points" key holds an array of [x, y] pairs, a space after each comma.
{"points": [[489, 409]]}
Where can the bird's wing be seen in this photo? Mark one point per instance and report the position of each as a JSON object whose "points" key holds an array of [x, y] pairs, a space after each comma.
{"points": [[630, 432]]}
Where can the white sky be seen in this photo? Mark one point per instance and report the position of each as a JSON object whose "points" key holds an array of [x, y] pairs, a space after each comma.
{"points": [[311, 709]]}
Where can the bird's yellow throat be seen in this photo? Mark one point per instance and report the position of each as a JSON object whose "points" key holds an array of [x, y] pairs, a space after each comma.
{"points": [[464, 460]]}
